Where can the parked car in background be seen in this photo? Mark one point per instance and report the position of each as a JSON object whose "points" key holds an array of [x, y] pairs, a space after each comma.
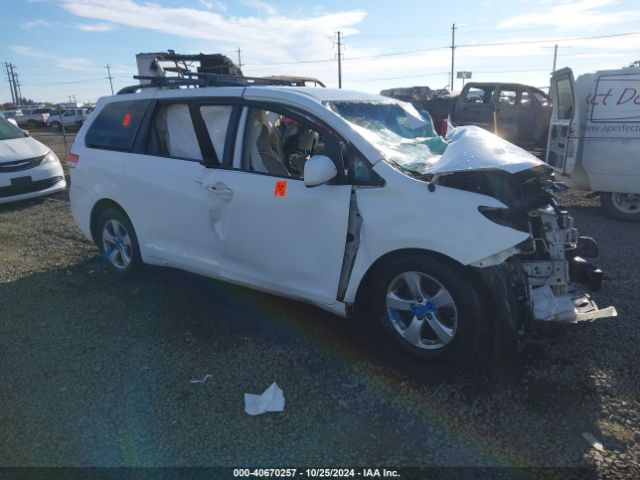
{"points": [[11, 113], [67, 117], [518, 113], [594, 137], [342, 199], [33, 117], [27, 167]]}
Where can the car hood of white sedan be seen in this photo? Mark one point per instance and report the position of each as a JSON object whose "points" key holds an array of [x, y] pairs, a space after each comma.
{"points": [[21, 149], [472, 148]]}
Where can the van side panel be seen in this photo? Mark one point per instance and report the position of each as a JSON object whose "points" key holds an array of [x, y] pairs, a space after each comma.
{"points": [[609, 130]]}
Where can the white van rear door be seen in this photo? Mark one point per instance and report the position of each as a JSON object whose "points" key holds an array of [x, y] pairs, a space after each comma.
{"points": [[562, 143]]}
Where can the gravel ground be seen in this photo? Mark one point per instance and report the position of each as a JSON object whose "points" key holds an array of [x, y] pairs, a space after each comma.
{"points": [[96, 371]]}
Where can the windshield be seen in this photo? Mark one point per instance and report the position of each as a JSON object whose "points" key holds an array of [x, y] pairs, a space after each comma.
{"points": [[404, 134], [9, 131]]}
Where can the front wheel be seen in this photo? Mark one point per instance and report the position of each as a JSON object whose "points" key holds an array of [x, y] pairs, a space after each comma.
{"points": [[621, 206], [427, 306], [117, 242], [55, 126]]}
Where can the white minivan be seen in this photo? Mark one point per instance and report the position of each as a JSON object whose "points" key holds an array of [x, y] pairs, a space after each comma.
{"points": [[342, 199], [594, 136]]}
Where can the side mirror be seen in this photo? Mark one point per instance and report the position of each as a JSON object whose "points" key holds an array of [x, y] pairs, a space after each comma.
{"points": [[318, 170]]}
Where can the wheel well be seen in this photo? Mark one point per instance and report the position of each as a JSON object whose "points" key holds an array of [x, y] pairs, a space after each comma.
{"points": [[392, 256], [100, 207]]}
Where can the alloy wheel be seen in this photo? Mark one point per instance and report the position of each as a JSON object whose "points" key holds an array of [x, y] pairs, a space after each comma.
{"points": [[421, 310]]}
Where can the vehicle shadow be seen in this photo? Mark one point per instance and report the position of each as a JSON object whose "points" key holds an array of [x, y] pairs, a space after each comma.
{"points": [[91, 333]]}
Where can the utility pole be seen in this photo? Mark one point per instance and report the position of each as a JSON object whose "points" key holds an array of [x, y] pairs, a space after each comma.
{"points": [[15, 88], [339, 59], [13, 98], [239, 59], [453, 49], [110, 78], [555, 57], [18, 89]]}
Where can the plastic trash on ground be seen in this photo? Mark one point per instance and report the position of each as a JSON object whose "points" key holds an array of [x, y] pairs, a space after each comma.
{"points": [[271, 400]]}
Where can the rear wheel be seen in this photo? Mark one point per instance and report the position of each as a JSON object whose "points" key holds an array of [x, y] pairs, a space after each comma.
{"points": [[427, 306], [621, 206], [117, 242]]}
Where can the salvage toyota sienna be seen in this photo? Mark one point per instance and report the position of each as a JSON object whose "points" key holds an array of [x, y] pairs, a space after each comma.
{"points": [[346, 200]]}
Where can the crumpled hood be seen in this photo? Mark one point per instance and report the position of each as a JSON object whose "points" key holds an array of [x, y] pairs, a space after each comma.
{"points": [[21, 149], [473, 148]]}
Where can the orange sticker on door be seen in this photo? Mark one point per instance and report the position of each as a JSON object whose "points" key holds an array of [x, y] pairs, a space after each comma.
{"points": [[126, 120], [281, 188]]}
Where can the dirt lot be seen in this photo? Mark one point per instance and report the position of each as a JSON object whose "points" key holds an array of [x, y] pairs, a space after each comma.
{"points": [[96, 371]]}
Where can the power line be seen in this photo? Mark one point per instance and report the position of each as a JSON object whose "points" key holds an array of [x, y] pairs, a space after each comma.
{"points": [[100, 79], [468, 45]]}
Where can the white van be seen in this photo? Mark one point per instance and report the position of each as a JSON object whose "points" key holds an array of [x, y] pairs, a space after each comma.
{"points": [[594, 136], [342, 199]]}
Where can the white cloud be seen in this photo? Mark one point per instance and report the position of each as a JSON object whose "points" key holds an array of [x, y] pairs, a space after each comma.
{"points": [[213, 5], [272, 37], [96, 27], [68, 63], [259, 5], [589, 14], [39, 22]]}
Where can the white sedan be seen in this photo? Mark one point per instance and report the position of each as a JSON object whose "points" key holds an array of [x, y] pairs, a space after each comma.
{"points": [[27, 167]]}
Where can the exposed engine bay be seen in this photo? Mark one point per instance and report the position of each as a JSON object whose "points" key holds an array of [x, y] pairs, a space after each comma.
{"points": [[544, 272]]}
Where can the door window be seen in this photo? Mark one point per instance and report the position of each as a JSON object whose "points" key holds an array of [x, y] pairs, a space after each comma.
{"points": [[216, 120], [507, 97], [565, 99], [479, 95], [279, 145], [172, 133]]}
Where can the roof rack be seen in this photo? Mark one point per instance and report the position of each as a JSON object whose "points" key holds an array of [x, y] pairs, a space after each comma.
{"points": [[214, 70], [201, 80]]}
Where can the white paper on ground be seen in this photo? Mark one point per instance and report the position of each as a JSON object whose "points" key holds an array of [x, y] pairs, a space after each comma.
{"points": [[271, 400], [208, 375]]}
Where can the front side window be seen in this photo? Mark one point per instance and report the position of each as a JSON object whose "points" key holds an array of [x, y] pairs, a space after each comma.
{"points": [[173, 135], [279, 145], [402, 133]]}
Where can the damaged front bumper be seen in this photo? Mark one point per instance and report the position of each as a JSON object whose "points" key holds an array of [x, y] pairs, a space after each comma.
{"points": [[546, 280]]}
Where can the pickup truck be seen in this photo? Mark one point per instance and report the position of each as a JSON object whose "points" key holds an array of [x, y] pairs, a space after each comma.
{"points": [[33, 117], [518, 113], [68, 117]]}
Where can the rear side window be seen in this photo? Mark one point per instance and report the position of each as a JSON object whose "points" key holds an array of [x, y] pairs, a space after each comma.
{"points": [[116, 125]]}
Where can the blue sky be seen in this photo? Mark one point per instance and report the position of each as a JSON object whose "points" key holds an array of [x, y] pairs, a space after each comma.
{"points": [[61, 47]]}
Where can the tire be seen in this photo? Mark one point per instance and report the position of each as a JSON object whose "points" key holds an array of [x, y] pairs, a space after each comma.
{"points": [[31, 124], [117, 242], [444, 324], [621, 206], [56, 126]]}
